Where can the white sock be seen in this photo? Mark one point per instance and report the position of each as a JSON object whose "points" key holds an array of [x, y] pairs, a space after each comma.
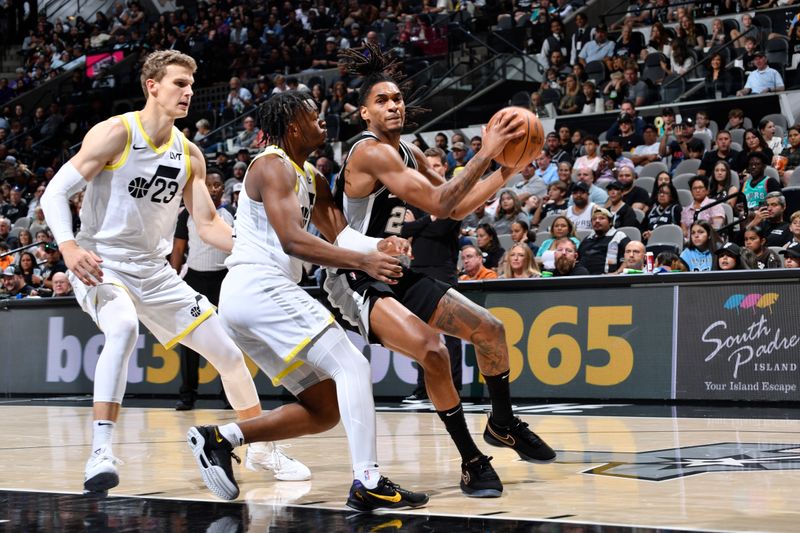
{"points": [[368, 474], [102, 431], [232, 434]]}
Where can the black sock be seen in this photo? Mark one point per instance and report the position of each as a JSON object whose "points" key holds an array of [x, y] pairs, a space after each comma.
{"points": [[500, 396], [456, 426]]}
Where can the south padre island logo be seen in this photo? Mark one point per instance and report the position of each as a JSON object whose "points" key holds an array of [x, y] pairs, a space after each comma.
{"points": [[751, 301], [671, 463]]}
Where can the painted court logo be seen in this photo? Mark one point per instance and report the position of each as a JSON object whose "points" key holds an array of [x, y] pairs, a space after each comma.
{"points": [[663, 465], [751, 301]]}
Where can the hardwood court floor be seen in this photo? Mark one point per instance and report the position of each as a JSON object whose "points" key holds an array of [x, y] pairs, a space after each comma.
{"points": [[708, 474]]}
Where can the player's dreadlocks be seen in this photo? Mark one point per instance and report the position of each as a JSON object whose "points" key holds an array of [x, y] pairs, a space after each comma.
{"points": [[277, 112], [376, 67]]}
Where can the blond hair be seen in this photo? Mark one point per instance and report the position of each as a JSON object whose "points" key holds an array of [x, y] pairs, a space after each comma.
{"points": [[155, 66], [529, 268]]}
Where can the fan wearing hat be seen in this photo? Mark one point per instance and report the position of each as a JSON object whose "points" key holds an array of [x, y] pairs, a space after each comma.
{"points": [[623, 214], [599, 48], [602, 251], [53, 263], [758, 185], [791, 255], [580, 209], [764, 79], [14, 283], [729, 257], [678, 148]]}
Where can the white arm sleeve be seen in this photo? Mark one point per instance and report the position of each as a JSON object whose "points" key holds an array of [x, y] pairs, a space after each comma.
{"points": [[350, 239], [55, 201]]}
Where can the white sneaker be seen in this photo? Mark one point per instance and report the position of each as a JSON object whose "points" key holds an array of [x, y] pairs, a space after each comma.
{"points": [[101, 471], [269, 456]]}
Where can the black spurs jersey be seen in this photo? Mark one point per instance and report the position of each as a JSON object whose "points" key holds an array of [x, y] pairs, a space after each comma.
{"points": [[381, 214]]}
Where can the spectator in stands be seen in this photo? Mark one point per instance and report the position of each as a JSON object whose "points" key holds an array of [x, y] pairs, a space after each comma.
{"points": [[566, 259], [519, 263], [597, 195], [630, 87], [662, 178], [14, 285], [580, 36], [24, 238], [555, 202], [735, 119], [791, 152], [30, 269], [612, 160], [633, 196], [770, 218], [339, 105], [237, 177], [521, 233], [555, 41], [589, 97], [597, 49], [623, 214], [791, 255], [794, 227], [667, 261], [53, 264], [721, 183], [62, 288], [573, 100], [699, 252], [628, 138], [5, 230], [627, 107], [602, 251], [553, 148], [16, 206], [666, 210], [537, 105], [530, 185], [561, 228], [724, 153], [648, 150], [489, 245], [753, 142], [248, 137], [458, 155], [755, 240], [591, 159], [545, 168], [678, 148], [5, 260], [565, 174], [687, 32], [658, 43], [473, 267], [758, 184], [239, 98], [680, 60], [764, 79], [714, 215], [718, 80], [701, 124], [580, 210], [767, 129], [718, 35], [747, 28], [729, 257], [509, 210], [477, 218], [633, 259]]}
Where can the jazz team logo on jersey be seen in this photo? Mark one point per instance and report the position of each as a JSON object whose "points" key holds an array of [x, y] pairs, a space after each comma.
{"points": [[663, 465], [163, 183], [195, 310]]}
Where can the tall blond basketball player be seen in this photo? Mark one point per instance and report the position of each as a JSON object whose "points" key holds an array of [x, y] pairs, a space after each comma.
{"points": [[136, 169]]}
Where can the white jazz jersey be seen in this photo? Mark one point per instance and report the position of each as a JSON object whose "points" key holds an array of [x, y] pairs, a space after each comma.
{"points": [[255, 241], [130, 208]]}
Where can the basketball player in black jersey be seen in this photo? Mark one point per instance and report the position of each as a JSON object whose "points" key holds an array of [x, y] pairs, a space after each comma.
{"points": [[382, 174]]}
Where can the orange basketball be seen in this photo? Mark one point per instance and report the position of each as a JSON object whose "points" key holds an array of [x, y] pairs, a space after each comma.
{"points": [[527, 147]]}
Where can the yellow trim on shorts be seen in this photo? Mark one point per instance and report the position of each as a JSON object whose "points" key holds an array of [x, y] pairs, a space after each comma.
{"points": [[156, 149], [127, 150], [286, 371], [199, 320]]}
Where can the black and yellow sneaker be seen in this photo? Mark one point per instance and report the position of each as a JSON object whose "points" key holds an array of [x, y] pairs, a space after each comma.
{"points": [[522, 440], [213, 456], [386, 495], [479, 480]]}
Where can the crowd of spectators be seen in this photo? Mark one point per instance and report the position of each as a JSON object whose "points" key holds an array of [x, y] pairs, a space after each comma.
{"points": [[639, 57], [578, 208]]}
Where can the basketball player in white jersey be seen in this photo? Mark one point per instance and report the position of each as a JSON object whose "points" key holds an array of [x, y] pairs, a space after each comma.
{"points": [[289, 334], [380, 175], [136, 168]]}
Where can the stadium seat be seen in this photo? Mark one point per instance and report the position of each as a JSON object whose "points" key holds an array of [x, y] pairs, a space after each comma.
{"points": [[646, 183], [542, 236], [633, 233], [730, 24], [794, 179], [685, 197], [772, 172], [687, 166], [639, 215], [652, 68], [652, 169], [547, 221], [669, 234], [681, 181], [581, 234], [778, 119], [705, 137], [506, 241], [596, 71], [737, 82], [22, 222], [672, 87]]}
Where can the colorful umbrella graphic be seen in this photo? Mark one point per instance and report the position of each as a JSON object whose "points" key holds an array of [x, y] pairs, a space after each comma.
{"points": [[733, 302], [768, 300], [750, 301]]}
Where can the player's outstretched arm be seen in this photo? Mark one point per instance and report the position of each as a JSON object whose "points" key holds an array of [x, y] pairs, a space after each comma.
{"points": [[210, 226], [105, 144], [273, 180], [416, 188]]}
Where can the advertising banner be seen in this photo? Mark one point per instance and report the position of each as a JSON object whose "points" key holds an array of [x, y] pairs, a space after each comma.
{"points": [[739, 342], [589, 343]]}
